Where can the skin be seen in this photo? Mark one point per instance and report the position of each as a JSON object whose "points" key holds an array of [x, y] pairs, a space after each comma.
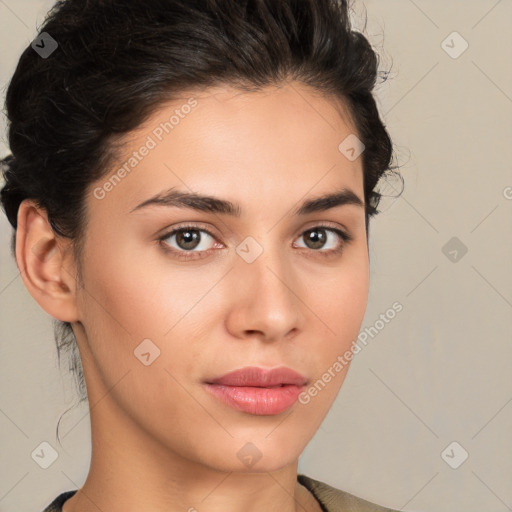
{"points": [[159, 440]]}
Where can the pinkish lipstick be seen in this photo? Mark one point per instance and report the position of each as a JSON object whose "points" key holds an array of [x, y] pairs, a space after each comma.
{"points": [[258, 391]]}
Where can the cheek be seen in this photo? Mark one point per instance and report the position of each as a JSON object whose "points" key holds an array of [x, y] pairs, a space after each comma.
{"points": [[339, 305], [126, 303], [116, 303], [134, 294], [339, 297], [127, 290], [338, 302]]}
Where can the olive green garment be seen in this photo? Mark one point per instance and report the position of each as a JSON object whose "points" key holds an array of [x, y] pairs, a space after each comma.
{"points": [[335, 500]]}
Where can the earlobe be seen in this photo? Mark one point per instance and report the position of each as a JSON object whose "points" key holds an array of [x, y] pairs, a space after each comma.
{"points": [[45, 263]]}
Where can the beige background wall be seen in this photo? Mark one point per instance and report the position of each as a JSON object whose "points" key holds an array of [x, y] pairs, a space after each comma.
{"points": [[441, 370]]}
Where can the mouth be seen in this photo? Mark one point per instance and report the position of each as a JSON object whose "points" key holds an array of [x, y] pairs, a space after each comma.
{"points": [[258, 391]]}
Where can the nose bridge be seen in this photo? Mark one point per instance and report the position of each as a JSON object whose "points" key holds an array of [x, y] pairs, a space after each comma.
{"points": [[268, 272], [265, 297]]}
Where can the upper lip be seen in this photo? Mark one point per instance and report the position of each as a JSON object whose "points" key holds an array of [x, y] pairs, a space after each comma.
{"points": [[260, 377]]}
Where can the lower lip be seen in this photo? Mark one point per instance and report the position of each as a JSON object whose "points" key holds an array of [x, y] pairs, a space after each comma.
{"points": [[261, 401]]}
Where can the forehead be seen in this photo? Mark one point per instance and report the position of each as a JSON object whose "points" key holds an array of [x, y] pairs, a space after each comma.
{"points": [[240, 144]]}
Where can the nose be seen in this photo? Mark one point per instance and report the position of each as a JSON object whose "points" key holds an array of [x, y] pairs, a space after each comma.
{"points": [[265, 298]]}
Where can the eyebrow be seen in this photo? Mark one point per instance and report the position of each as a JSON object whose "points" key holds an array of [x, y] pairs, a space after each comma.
{"points": [[204, 203]]}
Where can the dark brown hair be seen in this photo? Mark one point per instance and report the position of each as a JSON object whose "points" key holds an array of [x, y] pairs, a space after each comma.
{"points": [[118, 60]]}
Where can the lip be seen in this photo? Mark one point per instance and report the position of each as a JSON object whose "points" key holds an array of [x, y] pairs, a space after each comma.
{"points": [[254, 376], [258, 391]]}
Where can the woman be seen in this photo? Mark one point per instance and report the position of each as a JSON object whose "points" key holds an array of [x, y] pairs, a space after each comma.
{"points": [[190, 187]]}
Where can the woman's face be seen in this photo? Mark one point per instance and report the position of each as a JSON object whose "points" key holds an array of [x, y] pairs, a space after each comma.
{"points": [[160, 318]]}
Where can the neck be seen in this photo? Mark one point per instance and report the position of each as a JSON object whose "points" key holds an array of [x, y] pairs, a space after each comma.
{"points": [[131, 471]]}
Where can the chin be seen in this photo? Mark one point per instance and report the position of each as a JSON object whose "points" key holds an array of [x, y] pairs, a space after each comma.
{"points": [[258, 453], [263, 465]]}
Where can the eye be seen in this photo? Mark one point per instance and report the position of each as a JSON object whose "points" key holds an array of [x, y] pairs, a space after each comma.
{"points": [[325, 239], [194, 242], [187, 239]]}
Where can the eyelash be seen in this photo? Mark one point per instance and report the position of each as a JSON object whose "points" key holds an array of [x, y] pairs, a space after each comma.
{"points": [[188, 255]]}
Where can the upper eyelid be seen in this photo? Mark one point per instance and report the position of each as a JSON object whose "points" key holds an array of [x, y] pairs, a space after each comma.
{"points": [[172, 231]]}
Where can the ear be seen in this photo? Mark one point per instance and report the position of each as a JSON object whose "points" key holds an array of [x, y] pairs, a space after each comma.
{"points": [[45, 262]]}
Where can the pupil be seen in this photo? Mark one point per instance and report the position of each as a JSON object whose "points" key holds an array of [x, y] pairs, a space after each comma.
{"points": [[317, 237], [188, 239]]}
